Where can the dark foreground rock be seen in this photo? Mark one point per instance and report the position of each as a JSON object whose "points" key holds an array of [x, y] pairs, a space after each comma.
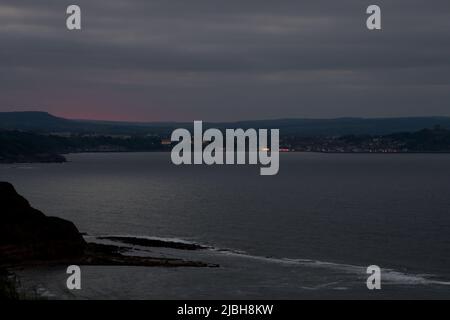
{"points": [[26, 233], [8, 286], [28, 237]]}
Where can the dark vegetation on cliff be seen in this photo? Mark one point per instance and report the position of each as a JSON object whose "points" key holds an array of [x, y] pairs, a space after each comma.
{"points": [[28, 147]]}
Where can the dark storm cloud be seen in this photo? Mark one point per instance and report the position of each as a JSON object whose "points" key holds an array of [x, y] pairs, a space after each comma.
{"points": [[225, 59]]}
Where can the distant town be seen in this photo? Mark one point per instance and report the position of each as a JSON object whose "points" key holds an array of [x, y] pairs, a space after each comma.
{"points": [[40, 137], [436, 139]]}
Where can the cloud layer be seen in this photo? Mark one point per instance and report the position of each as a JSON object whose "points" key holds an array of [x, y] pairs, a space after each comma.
{"points": [[225, 59]]}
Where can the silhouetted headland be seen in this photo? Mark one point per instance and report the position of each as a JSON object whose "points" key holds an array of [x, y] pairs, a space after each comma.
{"points": [[30, 238]]}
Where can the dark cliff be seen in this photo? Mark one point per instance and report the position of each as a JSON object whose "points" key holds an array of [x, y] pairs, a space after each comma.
{"points": [[27, 234], [28, 237]]}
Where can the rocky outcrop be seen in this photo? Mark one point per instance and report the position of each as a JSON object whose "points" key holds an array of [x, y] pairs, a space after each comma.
{"points": [[29, 238], [154, 243], [27, 234]]}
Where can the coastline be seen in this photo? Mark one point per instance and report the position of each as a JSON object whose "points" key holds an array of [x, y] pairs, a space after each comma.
{"points": [[62, 158], [28, 238]]}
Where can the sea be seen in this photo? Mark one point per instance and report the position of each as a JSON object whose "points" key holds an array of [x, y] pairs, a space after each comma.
{"points": [[310, 232]]}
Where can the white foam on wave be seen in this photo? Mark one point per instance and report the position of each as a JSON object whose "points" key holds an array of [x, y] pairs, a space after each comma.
{"points": [[171, 240], [388, 275]]}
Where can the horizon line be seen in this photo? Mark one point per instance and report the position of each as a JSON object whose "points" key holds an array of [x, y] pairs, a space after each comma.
{"points": [[228, 121]]}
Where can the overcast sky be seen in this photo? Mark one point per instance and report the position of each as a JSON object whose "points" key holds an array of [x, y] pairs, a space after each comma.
{"points": [[220, 60]]}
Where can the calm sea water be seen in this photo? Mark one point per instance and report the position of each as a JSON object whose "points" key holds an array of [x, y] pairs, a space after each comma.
{"points": [[309, 232]]}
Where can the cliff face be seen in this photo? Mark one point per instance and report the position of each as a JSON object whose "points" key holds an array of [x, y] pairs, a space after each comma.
{"points": [[28, 237], [27, 234]]}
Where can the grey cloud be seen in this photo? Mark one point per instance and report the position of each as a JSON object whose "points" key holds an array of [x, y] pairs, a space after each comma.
{"points": [[222, 60]]}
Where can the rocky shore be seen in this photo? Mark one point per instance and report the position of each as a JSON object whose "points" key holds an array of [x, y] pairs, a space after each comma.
{"points": [[155, 243], [30, 238]]}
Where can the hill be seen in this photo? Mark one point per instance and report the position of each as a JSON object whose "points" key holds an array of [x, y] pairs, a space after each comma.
{"points": [[44, 122], [32, 120]]}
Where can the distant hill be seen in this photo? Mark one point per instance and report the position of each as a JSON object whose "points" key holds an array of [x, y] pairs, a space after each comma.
{"points": [[345, 126], [45, 122], [32, 120]]}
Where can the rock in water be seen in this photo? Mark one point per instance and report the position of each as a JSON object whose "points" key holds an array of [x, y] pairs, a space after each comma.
{"points": [[26, 234]]}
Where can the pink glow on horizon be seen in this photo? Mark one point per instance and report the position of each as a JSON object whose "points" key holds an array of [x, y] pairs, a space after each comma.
{"points": [[120, 114], [103, 117]]}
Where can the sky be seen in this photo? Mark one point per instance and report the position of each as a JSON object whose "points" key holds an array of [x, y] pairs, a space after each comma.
{"points": [[225, 60]]}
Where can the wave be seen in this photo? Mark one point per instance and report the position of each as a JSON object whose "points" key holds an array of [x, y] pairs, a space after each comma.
{"points": [[163, 239], [388, 275]]}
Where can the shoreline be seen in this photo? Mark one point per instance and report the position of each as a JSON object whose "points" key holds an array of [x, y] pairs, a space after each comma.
{"points": [[28, 238], [65, 160]]}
